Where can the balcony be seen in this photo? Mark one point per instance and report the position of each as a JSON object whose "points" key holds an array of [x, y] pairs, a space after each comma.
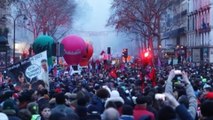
{"points": [[205, 28], [184, 12], [177, 32]]}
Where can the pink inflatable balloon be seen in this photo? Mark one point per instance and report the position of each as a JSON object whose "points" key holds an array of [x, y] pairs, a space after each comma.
{"points": [[74, 48]]}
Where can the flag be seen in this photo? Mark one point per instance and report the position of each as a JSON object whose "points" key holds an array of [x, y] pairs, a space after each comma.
{"points": [[113, 73], [159, 62], [152, 76], [102, 52]]}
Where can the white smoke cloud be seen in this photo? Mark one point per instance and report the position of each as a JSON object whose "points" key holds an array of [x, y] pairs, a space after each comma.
{"points": [[90, 23]]}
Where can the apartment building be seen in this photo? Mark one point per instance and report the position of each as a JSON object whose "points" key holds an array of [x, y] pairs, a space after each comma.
{"points": [[200, 31], [175, 29], [3, 11]]}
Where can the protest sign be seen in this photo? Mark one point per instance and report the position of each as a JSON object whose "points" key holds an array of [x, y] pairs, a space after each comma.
{"points": [[33, 68]]}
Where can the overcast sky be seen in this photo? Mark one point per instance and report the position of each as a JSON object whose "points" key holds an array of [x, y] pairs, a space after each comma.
{"points": [[90, 23]]}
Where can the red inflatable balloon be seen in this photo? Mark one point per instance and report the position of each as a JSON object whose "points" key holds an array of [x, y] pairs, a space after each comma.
{"points": [[84, 62], [88, 54], [74, 48]]}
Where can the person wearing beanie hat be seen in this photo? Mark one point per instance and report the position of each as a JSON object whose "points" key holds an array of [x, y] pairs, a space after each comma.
{"points": [[3, 116], [9, 109]]}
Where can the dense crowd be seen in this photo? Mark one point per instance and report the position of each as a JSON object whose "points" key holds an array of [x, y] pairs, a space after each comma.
{"points": [[124, 91]]}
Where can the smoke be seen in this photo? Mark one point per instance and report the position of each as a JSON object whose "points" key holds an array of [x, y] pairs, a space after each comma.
{"points": [[90, 23]]}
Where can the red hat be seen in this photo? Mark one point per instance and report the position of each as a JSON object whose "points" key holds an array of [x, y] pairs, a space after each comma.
{"points": [[209, 95]]}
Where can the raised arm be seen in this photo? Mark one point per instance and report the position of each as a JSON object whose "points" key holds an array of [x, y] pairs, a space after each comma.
{"points": [[169, 87], [191, 96]]}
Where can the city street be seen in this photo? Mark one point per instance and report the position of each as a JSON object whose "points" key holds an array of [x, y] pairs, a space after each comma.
{"points": [[106, 59]]}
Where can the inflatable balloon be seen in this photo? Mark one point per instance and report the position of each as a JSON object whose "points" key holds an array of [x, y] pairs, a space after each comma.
{"points": [[74, 49], [88, 54], [84, 62], [42, 43]]}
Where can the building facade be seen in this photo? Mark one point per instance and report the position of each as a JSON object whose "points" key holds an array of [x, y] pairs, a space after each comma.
{"points": [[4, 30], [176, 30], [200, 31]]}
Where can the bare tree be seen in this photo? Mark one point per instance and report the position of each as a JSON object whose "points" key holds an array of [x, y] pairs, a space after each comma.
{"points": [[142, 17], [52, 17], [6, 3]]}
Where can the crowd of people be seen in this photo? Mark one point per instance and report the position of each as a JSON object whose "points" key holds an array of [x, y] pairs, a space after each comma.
{"points": [[105, 91]]}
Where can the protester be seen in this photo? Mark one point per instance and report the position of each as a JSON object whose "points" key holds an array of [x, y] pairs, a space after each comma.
{"points": [[140, 110], [9, 109], [34, 110], [22, 82], [192, 102], [121, 91], [110, 114], [207, 110], [61, 107], [127, 113], [45, 112], [25, 114]]}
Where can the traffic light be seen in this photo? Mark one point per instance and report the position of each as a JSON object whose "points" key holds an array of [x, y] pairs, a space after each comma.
{"points": [[146, 54], [109, 50], [125, 53], [58, 49], [146, 57]]}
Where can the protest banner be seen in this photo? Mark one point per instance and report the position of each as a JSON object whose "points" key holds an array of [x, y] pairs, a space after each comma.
{"points": [[33, 68]]}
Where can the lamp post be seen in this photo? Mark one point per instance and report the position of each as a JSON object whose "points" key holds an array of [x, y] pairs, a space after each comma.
{"points": [[14, 30]]}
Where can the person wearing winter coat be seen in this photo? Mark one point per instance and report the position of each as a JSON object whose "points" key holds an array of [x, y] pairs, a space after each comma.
{"points": [[192, 106]]}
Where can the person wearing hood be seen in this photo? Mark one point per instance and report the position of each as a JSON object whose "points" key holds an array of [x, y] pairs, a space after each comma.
{"points": [[116, 99]]}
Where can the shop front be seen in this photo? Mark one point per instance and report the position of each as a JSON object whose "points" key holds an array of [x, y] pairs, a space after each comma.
{"points": [[202, 54]]}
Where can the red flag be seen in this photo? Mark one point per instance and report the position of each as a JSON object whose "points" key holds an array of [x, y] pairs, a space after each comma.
{"points": [[152, 76], [113, 74], [102, 52]]}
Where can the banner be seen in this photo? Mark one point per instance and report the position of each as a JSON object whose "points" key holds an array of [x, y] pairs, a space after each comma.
{"points": [[33, 68]]}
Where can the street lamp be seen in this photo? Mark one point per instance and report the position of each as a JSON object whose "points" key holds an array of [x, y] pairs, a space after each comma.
{"points": [[14, 29]]}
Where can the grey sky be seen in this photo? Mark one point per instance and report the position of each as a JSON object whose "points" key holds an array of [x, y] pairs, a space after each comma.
{"points": [[90, 23]]}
